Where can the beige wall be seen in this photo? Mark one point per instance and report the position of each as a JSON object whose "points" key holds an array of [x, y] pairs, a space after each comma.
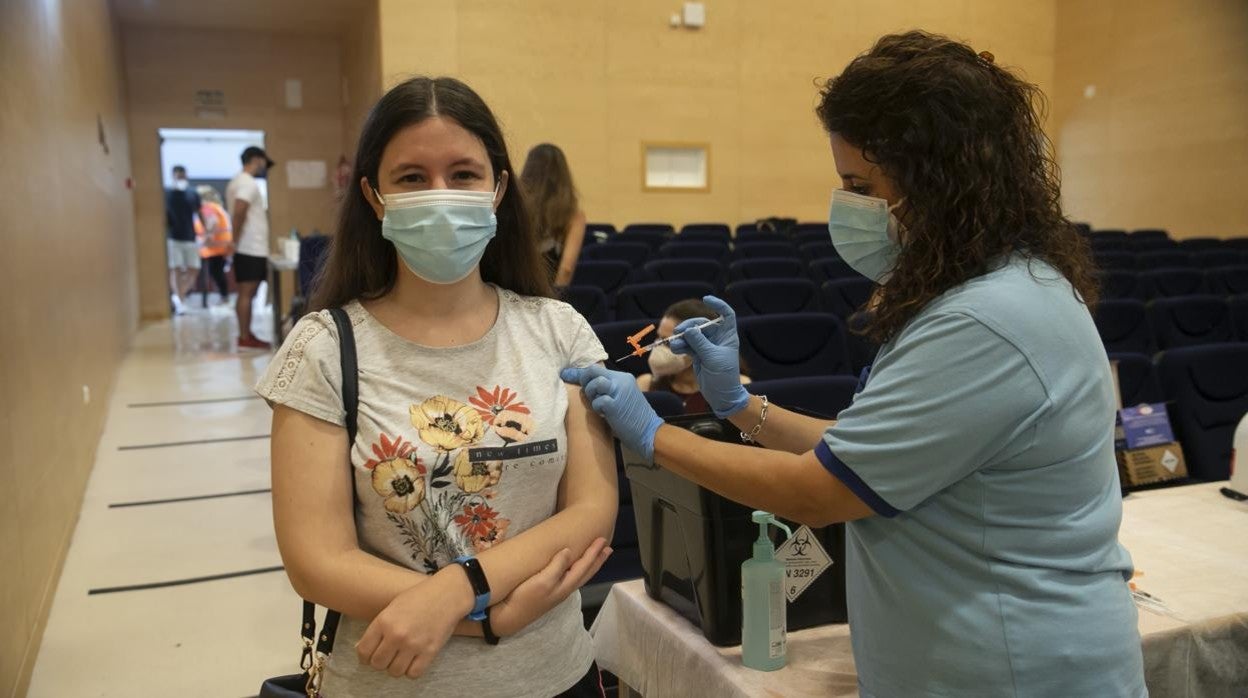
{"points": [[164, 68], [1164, 140], [598, 77], [69, 306], [361, 73]]}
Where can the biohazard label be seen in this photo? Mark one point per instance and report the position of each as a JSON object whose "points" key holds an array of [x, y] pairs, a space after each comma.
{"points": [[804, 560]]}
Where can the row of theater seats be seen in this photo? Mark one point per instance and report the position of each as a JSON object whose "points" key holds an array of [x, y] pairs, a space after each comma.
{"points": [[645, 301], [611, 275], [1130, 325], [1174, 281]]}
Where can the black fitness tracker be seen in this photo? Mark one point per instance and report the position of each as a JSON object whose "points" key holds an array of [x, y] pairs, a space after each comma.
{"points": [[487, 631], [480, 587]]}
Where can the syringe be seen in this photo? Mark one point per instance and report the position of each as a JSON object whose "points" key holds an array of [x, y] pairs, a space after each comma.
{"points": [[640, 349]]}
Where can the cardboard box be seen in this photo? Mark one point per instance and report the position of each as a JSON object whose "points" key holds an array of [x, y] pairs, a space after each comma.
{"points": [[1144, 466]]}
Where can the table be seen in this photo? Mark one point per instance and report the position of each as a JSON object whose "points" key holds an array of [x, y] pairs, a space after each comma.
{"points": [[1190, 545], [277, 265]]}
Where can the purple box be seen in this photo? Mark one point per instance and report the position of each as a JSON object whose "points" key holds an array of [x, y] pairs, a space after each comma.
{"points": [[1145, 425]]}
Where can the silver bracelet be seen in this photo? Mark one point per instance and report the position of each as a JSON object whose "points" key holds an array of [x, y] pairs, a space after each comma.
{"points": [[758, 428]]}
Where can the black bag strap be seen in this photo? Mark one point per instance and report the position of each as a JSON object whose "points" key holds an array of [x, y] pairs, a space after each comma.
{"points": [[351, 404]]}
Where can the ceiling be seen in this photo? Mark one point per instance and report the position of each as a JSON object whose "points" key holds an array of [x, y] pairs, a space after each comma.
{"points": [[308, 17]]}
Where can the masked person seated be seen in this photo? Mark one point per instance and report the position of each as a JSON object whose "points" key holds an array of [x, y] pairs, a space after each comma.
{"points": [[673, 373]]}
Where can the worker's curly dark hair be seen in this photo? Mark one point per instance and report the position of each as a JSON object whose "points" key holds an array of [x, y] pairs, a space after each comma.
{"points": [[961, 139]]}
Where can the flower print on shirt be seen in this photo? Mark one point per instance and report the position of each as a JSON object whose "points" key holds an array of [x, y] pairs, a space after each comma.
{"points": [[482, 525], [447, 424], [513, 426], [489, 404], [474, 477], [398, 475]]}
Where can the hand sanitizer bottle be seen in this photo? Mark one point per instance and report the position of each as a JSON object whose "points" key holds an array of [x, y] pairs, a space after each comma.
{"points": [[763, 621]]}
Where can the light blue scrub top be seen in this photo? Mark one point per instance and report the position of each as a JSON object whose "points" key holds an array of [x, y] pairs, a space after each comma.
{"points": [[983, 439]]}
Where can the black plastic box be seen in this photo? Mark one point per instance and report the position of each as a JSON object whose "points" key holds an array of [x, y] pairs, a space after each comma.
{"points": [[693, 541]]}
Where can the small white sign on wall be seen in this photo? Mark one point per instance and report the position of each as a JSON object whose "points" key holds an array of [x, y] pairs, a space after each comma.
{"points": [[676, 166], [307, 174]]}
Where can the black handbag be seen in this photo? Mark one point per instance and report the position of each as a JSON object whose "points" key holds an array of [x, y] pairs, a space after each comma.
{"points": [[317, 650]]}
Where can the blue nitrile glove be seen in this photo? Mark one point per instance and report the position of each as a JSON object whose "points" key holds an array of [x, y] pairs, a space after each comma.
{"points": [[616, 397], [716, 356]]}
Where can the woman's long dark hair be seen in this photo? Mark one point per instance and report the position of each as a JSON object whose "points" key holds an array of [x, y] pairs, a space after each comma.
{"points": [[961, 138], [361, 264], [547, 183]]}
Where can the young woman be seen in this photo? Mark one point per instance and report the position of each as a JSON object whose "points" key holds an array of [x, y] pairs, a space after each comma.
{"points": [[557, 217], [976, 465], [469, 446], [673, 372]]}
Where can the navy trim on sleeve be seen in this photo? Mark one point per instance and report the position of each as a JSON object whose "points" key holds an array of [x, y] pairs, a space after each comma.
{"points": [[862, 378], [855, 484]]}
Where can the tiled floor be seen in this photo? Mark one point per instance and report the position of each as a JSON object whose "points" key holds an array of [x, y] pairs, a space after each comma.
{"points": [[182, 423]]}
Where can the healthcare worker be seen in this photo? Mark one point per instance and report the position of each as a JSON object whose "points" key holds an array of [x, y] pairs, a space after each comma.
{"points": [[975, 466]]}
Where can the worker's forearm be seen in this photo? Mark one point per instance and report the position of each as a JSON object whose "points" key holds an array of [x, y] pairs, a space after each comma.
{"points": [[783, 430], [761, 478]]}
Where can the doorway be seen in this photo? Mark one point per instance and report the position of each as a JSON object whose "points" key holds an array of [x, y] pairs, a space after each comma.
{"points": [[210, 158]]}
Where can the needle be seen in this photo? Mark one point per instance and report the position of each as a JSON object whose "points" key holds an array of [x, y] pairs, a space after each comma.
{"points": [[643, 349]]}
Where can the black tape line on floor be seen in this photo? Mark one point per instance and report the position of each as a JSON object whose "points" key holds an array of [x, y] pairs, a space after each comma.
{"points": [[195, 498], [183, 582], [173, 444], [206, 401]]}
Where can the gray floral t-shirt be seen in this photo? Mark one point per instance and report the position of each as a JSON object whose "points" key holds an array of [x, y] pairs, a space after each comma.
{"points": [[458, 449]]}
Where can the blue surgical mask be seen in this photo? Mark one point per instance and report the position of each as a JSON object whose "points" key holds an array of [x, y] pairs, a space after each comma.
{"points": [[865, 233], [440, 234]]}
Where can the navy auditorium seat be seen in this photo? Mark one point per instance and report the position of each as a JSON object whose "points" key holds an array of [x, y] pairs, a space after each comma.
{"points": [[607, 229], [661, 228], [1208, 387], [749, 235], [614, 337], [694, 250], [1137, 379], [654, 239], [1222, 257], [1200, 244], [843, 297], [1163, 259], [819, 250], [830, 269], [1149, 234], [708, 271], [1120, 283], [771, 296], [1239, 316], [607, 275], [589, 301], [1152, 244], [766, 268], [1186, 321], [1239, 243], [1168, 283], [706, 232], [823, 395], [665, 404], [648, 301], [804, 233], [1111, 245], [757, 250], [1228, 281], [1113, 260], [793, 345], [1123, 326], [635, 253], [1108, 234]]}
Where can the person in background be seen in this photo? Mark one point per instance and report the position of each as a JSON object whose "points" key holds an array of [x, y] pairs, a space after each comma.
{"points": [[250, 223], [216, 242], [673, 372], [181, 207], [557, 216]]}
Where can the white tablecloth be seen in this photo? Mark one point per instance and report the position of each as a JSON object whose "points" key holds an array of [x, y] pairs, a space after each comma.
{"points": [[1190, 545]]}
